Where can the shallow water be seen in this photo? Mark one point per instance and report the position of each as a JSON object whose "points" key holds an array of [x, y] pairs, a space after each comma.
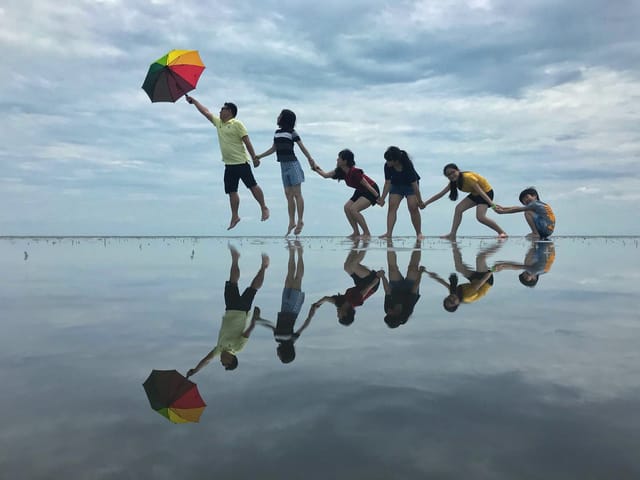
{"points": [[524, 382]]}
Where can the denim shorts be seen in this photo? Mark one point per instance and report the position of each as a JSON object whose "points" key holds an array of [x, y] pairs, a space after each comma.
{"points": [[404, 190], [292, 173]]}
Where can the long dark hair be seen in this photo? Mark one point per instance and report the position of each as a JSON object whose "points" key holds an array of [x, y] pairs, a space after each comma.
{"points": [[347, 156], [287, 119], [454, 294], [453, 185], [394, 153]]}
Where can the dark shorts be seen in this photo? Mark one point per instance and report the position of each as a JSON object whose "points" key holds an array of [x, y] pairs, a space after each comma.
{"points": [[477, 199], [234, 173], [478, 276], [368, 195], [234, 301], [404, 190]]}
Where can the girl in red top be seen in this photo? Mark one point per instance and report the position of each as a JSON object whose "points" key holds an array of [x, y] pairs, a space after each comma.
{"points": [[366, 192]]}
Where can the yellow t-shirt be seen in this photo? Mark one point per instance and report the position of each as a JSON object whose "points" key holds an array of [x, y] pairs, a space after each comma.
{"points": [[230, 139], [469, 179], [470, 296], [230, 338]]}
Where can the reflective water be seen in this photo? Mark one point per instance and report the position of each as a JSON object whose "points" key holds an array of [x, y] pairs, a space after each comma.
{"points": [[517, 382]]}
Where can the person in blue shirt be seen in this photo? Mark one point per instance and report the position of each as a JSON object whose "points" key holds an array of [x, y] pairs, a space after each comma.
{"points": [[539, 215]]}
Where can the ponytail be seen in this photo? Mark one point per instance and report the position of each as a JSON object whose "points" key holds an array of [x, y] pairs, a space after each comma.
{"points": [[453, 185]]}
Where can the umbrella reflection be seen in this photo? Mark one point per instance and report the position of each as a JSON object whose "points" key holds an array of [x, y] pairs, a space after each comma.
{"points": [[173, 396]]}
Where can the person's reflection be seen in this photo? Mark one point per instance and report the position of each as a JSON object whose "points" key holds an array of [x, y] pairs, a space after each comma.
{"points": [[479, 282], [234, 331], [538, 261], [366, 282], [401, 293], [292, 300]]}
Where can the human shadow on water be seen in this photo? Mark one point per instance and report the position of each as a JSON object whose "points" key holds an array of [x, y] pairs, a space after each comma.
{"points": [[479, 282], [234, 331], [537, 261], [401, 293], [366, 282], [292, 299]]}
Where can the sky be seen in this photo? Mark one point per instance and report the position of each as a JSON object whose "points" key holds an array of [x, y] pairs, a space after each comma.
{"points": [[530, 93]]}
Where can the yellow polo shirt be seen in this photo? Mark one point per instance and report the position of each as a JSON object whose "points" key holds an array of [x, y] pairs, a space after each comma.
{"points": [[469, 179], [230, 139]]}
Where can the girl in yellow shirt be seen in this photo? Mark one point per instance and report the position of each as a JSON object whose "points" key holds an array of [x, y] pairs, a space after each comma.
{"points": [[480, 196]]}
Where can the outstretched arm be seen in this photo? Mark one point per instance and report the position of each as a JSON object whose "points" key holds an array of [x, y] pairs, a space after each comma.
{"points": [[312, 312], [500, 209], [437, 196], [438, 279], [203, 362], [247, 143], [201, 108], [322, 173], [267, 152], [304, 150]]}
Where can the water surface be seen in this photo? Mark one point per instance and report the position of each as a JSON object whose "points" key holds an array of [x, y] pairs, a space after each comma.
{"points": [[518, 382]]}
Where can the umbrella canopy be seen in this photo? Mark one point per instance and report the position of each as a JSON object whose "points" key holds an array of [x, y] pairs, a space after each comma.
{"points": [[173, 75], [173, 396]]}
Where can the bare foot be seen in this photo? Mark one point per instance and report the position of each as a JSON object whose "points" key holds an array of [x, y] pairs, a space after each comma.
{"points": [[233, 223], [449, 236], [385, 235], [289, 228], [265, 214], [354, 235], [420, 236], [503, 235], [365, 236], [299, 227]]}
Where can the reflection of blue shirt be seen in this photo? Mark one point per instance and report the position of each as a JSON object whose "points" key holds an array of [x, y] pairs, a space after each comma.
{"points": [[543, 256]]}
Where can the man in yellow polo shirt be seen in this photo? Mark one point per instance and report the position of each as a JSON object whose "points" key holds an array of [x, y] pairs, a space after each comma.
{"points": [[233, 138]]}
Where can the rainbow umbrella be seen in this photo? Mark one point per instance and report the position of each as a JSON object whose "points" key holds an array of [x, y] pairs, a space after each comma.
{"points": [[173, 75], [173, 396]]}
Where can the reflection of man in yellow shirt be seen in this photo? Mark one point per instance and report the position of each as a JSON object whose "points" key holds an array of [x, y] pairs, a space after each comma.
{"points": [[234, 331]]}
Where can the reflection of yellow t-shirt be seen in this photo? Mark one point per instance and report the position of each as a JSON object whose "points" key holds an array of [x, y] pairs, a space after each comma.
{"points": [[469, 295], [230, 338], [230, 136], [469, 179]]}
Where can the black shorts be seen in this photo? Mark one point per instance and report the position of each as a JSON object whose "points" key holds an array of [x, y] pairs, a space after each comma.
{"points": [[234, 173], [368, 195], [477, 199], [234, 301]]}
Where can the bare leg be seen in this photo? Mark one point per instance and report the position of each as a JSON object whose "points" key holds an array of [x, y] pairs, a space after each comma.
{"points": [[392, 214], [532, 225], [258, 280], [356, 214], [414, 213], [465, 204], [297, 195], [259, 196], [234, 202], [234, 272], [291, 209], [481, 215], [352, 221]]}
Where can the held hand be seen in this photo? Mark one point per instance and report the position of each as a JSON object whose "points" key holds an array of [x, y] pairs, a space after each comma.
{"points": [[256, 161], [422, 205], [190, 372], [189, 99], [380, 201], [498, 209]]}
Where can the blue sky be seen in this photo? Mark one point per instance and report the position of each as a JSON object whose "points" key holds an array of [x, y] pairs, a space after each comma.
{"points": [[541, 93]]}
